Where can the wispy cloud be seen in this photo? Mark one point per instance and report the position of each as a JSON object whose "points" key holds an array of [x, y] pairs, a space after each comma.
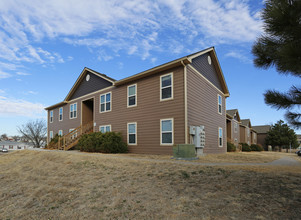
{"points": [[238, 55], [20, 107], [23, 74], [4, 75], [138, 27]]}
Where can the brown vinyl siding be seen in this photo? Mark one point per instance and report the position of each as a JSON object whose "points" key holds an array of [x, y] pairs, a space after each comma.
{"points": [[147, 113], [203, 110], [244, 135], [231, 134], [201, 64], [94, 84]]}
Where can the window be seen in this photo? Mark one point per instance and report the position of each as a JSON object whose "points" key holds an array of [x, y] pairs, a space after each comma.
{"points": [[132, 133], [73, 110], [132, 100], [60, 132], [235, 140], [235, 127], [105, 128], [105, 102], [167, 131], [61, 114], [51, 116], [248, 132], [74, 135], [166, 92], [51, 135], [220, 137], [219, 99]]}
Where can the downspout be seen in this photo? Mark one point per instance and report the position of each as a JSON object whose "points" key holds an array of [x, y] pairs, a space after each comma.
{"points": [[185, 102]]}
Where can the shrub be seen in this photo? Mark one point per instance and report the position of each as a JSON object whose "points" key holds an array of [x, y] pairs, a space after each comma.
{"points": [[109, 142], [230, 147], [245, 147], [255, 147]]}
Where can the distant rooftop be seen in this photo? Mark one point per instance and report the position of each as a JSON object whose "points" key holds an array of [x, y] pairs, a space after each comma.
{"points": [[261, 129]]}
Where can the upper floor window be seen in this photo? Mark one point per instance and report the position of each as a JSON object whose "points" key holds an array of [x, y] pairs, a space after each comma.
{"points": [[167, 131], [51, 116], [235, 127], [105, 128], [73, 110], [220, 137], [61, 114], [105, 102], [132, 93], [219, 100], [132, 133], [166, 92]]}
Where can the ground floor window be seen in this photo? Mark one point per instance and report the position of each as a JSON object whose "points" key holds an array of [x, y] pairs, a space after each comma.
{"points": [[220, 137], [105, 128], [60, 132], [51, 135], [166, 126], [132, 133]]}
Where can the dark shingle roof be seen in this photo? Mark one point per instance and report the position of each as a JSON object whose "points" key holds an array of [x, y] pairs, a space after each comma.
{"points": [[246, 122], [261, 129]]}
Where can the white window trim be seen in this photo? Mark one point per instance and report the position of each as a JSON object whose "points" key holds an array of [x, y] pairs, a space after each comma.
{"points": [[105, 102], [166, 99], [51, 117], [218, 95], [128, 139], [172, 132], [105, 127], [50, 135], [219, 128], [62, 113], [129, 106], [60, 131], [73, 111]]}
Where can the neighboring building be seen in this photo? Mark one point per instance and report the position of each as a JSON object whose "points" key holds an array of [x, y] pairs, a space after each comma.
{"points": [[13, 145], [253, 136], [153, 109], [262, 131], [245, 131], [233, 124], [299, 139]]}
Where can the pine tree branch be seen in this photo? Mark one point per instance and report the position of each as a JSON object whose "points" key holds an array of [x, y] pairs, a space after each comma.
{"points": [[280, 100], [293, 118]]}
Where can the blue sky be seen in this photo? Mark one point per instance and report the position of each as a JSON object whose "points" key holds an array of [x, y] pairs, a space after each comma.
{"points": [[44, 46]]}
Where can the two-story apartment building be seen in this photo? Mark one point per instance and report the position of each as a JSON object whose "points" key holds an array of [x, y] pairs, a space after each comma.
{"points": [[262, 131], [153, 109], [233, 124], [247, 134]]}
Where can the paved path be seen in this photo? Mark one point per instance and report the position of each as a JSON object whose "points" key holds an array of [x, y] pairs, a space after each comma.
{"points": [[284, 161]]}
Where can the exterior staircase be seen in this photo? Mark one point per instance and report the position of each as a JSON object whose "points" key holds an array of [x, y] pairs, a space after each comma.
{"points": [[69, 140]]}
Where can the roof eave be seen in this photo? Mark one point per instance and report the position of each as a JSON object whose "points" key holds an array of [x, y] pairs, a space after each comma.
{"points": [[56, 105]]}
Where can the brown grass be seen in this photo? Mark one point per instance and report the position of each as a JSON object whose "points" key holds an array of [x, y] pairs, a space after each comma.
{"points": [[57, 185]]}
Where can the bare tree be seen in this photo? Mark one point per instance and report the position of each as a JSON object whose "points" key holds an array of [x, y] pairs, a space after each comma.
{"points": [[3, 136], [35, 131]]}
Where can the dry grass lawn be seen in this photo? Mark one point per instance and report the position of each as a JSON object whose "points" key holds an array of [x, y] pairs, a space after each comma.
{"points": [[58, 185]]}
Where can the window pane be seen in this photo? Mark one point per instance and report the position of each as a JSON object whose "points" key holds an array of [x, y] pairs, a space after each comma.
{"points": [[132, 100], [102, 99], [219, 100], [167, 125], [220, 132], [108, 128], [102, 107], [132, 128], [132, 90], [74, 114], [61, 110], [166, 93], [167, 138], [132, 138], [71, 108], [108, 97], [220, 142], [166, 81], [75, 107], [61, 117], [108, 106], [102, 129], [71, 114], [220, 109]]}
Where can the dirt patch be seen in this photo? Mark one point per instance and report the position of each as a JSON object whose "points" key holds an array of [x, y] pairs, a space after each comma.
{"points": [[54, 185]]}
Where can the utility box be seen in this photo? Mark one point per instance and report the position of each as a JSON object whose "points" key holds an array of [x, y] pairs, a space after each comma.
{"points": [[184, 152], [198, 137]]}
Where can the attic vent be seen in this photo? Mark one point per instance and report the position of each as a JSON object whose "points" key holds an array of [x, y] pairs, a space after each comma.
{"points": [[88, 77], [209, 60]]}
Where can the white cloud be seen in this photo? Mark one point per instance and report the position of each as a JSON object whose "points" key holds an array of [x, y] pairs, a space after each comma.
{"points": [[238, 55], [23, 74], [13, 107], [4, 75], [138, 27], [2, 91]]}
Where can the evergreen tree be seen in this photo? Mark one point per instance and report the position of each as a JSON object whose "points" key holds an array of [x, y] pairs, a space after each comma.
{"points": [[281, 135], [280, 46]]}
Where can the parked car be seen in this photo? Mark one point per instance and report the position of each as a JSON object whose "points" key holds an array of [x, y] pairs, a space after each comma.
{"points": [[299, 153], [4, 150]]}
